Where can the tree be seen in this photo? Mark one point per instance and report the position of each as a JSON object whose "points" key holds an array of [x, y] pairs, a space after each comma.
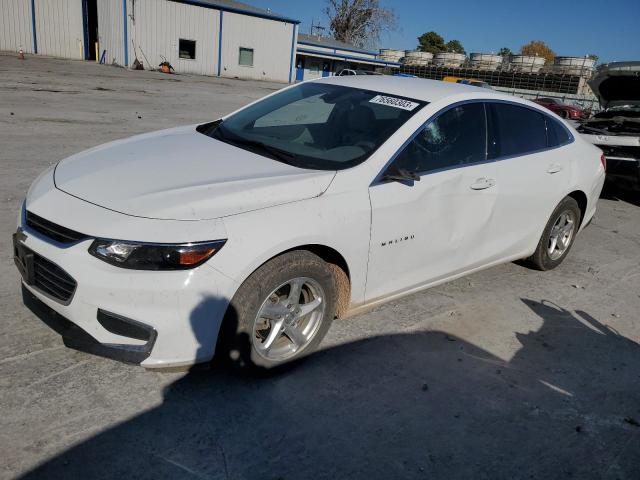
{"points": [[593, 57], [505, 52], [454, 46], [359, 22], [537, 48], [431, 42]]}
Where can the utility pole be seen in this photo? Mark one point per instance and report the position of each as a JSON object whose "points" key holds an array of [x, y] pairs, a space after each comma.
{"points": [[319, 29]]}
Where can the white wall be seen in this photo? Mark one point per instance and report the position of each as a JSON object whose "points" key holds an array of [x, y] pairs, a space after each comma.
{"points": [[59, 28], [110, 31], [157, 26], [15, 26], [270, 39]]}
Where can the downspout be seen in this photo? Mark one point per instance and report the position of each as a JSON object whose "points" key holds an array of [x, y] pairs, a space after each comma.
{"points": [[293, 49], [220, 44], [125, 34], [33, 26]]}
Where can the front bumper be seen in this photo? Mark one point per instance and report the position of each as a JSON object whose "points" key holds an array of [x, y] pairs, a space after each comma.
{"points": [[156, 319], [75, 337]]}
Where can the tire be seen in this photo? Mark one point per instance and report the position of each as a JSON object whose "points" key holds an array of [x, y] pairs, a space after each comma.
{"points": [[263, 306], [564, 114], [546, 258]]}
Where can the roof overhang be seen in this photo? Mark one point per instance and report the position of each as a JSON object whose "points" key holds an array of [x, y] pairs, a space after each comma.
{"points": [[250, 13], [351, 58], [335, 47]]}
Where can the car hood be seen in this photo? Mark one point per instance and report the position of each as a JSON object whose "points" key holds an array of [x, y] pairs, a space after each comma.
{"points": [[180, 174], [617, 83]]}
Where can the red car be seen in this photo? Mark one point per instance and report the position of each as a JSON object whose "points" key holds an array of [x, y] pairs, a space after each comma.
{"points": [[565, 111]]}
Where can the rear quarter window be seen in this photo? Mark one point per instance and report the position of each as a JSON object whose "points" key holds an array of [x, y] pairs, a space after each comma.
{"points": [[556, 134], [515, 130]]}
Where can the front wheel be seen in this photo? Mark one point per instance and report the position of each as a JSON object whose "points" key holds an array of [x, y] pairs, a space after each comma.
{"points": [[558, 235], [280, 313]]}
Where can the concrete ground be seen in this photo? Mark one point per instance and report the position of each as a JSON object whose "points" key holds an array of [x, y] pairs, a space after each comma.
{"points": [[506, 374]]}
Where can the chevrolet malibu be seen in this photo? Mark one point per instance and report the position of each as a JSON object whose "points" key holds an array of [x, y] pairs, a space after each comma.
{"points": [[247, 236]]}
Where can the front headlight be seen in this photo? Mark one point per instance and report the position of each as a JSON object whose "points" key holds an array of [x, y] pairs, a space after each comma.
{"points": [[154, 256]]}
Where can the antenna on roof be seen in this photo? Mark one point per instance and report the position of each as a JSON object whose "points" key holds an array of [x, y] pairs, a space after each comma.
{"points": [[319, 29]]}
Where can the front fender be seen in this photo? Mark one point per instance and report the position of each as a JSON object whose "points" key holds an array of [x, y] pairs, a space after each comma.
{"points": [[338, 221]]}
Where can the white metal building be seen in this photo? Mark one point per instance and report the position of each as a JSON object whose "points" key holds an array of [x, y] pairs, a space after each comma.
{"points": [[323, 57], [49, 27], [207, 37]]}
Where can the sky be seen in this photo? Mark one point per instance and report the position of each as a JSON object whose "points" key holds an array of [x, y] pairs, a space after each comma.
{"points": [[608, 28]]}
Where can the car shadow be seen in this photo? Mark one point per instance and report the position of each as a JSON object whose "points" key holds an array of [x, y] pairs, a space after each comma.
{"points": [[614, 191], [416, 405]]}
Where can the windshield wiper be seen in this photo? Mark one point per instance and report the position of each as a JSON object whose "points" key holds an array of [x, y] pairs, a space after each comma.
{"points": [[209, 128], [257, 147]]}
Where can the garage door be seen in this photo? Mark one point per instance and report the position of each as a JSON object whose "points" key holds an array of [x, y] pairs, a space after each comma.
{"points": [[59, 28]]}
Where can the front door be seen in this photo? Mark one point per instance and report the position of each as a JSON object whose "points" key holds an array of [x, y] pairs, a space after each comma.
{"points": [[431, 229]]}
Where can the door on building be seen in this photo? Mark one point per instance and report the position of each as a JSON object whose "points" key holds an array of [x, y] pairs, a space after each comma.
{"points": [[300, 69], [326, 69], [90, 21]]}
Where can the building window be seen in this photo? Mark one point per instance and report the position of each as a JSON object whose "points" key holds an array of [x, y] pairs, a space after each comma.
{"points": [[246, 57], [187, 49]]}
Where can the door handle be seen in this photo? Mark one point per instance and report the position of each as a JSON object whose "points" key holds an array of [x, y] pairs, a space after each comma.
{"points": [[483, 184], [554, 169]]}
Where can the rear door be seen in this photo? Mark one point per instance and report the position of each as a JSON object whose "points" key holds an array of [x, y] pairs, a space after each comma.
{"points": [[532, 173], [430, 229]]}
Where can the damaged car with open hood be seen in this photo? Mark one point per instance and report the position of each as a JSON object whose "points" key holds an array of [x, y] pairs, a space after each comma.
{"points": [[616, 129]]}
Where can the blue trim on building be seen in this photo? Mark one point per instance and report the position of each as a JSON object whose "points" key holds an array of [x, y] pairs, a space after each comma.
{"points": [[349, 57], [354, 50], [33, 26], [250, 13], [293, 51], [85, 29], [125, 34], [220, 44]]}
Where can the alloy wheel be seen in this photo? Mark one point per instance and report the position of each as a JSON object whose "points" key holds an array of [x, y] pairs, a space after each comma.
{"points": [[561, 234], [288, 319]]}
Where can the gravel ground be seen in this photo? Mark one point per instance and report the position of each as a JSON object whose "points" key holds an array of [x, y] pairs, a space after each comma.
{"points": [[508, 373]]}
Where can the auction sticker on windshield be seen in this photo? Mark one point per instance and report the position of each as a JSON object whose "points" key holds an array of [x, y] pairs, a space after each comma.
{"points": [[394, 102]]}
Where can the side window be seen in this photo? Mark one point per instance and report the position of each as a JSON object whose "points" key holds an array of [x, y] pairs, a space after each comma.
{"points": [[515, 130], [457, 137], [245, 57], [556, 133], [187, 49]]}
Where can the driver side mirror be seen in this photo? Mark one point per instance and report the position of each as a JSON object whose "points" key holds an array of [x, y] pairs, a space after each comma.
{"points": [[400, 175]]}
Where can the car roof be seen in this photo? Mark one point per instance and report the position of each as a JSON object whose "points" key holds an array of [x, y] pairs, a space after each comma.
{"points": [[417, 88]]}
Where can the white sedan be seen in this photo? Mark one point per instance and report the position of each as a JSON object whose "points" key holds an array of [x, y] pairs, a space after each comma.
{"points": [[247, 236]]}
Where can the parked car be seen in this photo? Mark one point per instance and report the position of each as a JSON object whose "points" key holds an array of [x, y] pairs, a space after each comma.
{"points": [[346, 72], [570, 112], [616, 129], [467, 81], [248, 235]]}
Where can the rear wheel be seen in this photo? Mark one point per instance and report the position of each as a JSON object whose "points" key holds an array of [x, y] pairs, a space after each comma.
{"points": [[558, 235], [281, 312]]}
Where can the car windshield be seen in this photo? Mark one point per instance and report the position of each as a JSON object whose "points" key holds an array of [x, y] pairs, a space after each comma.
{"points": [[316, 125]]}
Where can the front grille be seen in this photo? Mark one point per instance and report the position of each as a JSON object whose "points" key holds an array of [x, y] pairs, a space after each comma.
{"points": [[52, 280], [55, 232]]}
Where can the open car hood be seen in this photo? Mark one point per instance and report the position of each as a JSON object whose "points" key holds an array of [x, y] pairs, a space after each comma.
{"points": [[617, 83]]}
